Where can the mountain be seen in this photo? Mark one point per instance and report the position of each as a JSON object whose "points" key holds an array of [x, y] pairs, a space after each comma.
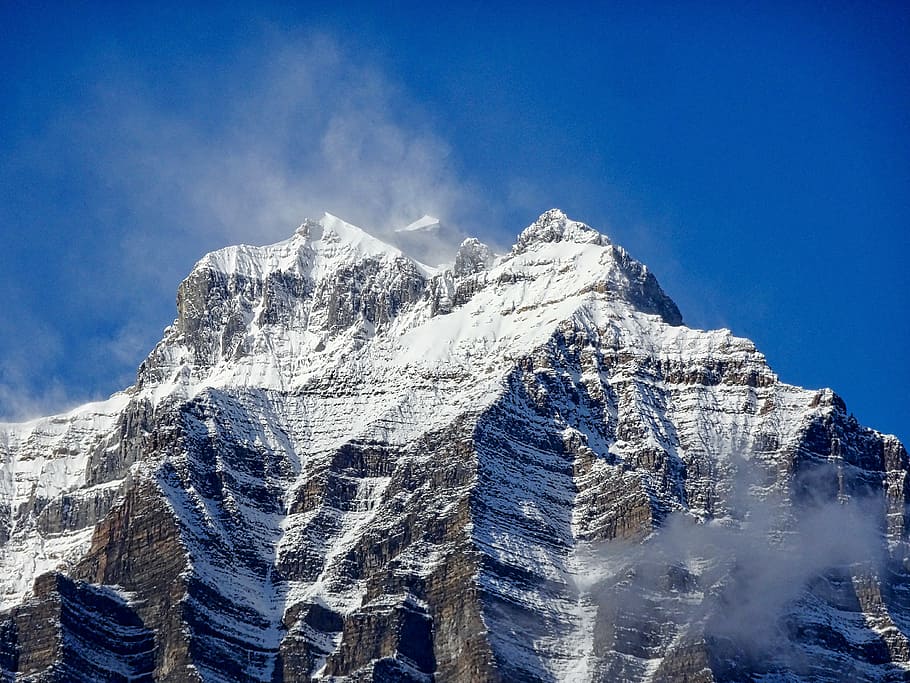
{"points": [[339, 463]]}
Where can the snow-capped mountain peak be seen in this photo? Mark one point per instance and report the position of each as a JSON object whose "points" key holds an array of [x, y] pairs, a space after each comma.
{"points": [[285, 310], [325, 244], [555, 226], [425, 222], [340, 464]]}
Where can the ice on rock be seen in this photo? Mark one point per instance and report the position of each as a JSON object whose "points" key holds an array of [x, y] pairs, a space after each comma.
{"points": [[473, 256], [555, 226]]}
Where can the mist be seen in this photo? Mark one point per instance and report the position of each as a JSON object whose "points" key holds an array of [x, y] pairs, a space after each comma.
{"points": [[751, 585], [290, 132]]}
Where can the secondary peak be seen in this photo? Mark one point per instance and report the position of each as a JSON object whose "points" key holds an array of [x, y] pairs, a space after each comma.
{"points": [[555, 226], [425, 222]]}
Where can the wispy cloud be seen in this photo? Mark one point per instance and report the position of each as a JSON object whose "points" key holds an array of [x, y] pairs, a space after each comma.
{"points": [[291, 127], [745, 580], [293, 132], [40, 350]]}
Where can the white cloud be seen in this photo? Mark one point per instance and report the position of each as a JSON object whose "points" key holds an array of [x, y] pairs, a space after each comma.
{"points": [[293, 132], [39, 352]]}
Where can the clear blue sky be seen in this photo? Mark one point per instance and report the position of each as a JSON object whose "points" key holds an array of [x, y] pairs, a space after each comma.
{"points": [[755, 156]]}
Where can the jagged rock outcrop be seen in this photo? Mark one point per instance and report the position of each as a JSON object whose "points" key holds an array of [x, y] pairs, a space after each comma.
{"points": [[342, 464], [473, 256]]}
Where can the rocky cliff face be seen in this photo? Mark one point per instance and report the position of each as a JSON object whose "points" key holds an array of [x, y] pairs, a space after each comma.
{"points": [[341, 464]]}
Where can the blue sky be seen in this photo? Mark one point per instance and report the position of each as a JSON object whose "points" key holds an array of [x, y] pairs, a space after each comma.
{"points": [[755, 156]]}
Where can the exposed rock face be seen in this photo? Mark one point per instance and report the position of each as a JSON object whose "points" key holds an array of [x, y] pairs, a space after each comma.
{"points": [[341, 464], [472, 257]]}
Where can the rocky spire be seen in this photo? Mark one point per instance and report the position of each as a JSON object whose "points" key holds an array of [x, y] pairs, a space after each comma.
{"points": [[555, 226], [473, 256]]}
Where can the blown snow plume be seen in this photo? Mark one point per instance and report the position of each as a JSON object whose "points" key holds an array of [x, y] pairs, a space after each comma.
{"points": [[340, 463]]}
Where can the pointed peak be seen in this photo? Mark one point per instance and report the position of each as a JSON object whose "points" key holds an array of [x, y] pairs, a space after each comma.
{"points": [[473, 256], [554, 214], [425, 222], [330, 236], [556, 226], [331, 229]]}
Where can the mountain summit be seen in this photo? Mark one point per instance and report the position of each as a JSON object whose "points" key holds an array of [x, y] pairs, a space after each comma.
{"points": [[341, 463]]}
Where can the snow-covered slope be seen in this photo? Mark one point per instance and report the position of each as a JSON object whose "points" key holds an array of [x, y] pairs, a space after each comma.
{"points": [[342, 463]]}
